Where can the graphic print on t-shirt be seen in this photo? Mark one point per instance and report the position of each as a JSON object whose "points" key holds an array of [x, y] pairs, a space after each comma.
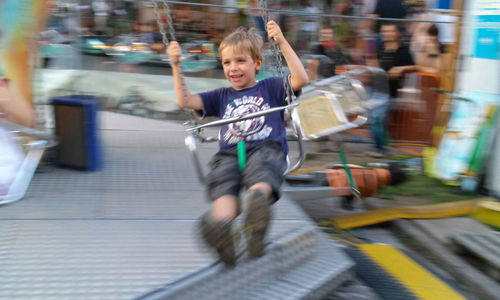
{"points": [[249, 130]]}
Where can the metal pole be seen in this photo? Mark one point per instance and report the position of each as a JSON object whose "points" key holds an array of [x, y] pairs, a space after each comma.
{"points": [[300, 13]]}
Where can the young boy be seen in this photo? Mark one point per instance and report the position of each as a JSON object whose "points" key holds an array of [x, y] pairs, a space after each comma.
{"points": [[265, 137]]}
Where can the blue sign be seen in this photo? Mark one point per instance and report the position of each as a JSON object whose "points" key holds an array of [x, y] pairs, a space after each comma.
{"points": [[487, 39], [487, 43]]}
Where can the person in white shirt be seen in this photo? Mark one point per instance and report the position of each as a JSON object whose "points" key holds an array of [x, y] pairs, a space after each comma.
{"points": [[309, 25], [101, 12]]}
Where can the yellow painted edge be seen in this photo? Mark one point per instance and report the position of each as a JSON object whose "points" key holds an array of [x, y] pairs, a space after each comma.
{"points": [[489, 204], [489, 217], [433, 211], [414, 277], [441, 210]]}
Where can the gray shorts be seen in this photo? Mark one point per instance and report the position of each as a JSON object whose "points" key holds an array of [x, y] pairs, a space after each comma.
{"points": [[266, 162]]}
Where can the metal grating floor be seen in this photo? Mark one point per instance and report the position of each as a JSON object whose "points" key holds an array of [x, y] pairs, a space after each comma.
{"points": [[484, 248], [119, 232]]}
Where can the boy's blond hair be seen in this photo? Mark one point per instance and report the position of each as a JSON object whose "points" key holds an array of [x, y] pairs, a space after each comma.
{"points": [[244, 39]]}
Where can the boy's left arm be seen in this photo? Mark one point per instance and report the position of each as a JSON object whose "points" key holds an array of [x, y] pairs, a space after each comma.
{"points": [[298, 75]]}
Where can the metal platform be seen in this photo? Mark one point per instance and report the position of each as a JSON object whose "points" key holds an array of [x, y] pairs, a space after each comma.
{"points": [[484, 249], [129, 230]]}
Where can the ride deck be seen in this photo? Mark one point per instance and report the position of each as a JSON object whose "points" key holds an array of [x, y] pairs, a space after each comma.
{"points": [[394, 275]]}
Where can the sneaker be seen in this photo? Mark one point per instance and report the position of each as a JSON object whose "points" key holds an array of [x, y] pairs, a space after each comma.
{"points": [[218, 236], [256, 222]]}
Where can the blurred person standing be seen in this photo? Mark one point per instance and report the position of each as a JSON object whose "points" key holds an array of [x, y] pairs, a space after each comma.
{"points": [[366, 31], [256, 19], [186, 24], [428, 55], [390, 9], [431, 53], [380, 102], [119, 17], [70, 24], [327, 55], [101, 13], [309, 25], [391, 54], [387, 9]]}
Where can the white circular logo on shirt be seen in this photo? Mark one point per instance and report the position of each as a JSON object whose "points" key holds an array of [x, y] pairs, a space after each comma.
{"points": [[246, 127]]}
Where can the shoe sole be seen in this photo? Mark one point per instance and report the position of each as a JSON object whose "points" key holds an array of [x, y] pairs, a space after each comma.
{"points": [[257, 221]]}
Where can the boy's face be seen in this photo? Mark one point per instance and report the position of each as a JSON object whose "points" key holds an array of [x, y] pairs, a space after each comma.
{"points": [[239, 67]]}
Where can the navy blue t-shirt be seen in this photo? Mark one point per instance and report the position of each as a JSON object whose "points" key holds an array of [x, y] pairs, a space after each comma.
{"points": [[229, 102]]}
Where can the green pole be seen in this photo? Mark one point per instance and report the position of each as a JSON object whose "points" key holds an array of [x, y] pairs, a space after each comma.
{"points": [[242, 156]]}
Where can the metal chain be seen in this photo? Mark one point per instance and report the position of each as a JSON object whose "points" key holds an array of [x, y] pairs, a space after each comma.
{"points": [[171, 29], [170, 23], [276, 53], [160, 25]]}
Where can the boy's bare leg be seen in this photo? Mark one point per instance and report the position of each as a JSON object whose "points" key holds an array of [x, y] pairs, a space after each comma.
{"points": [[258, 217], [216, 227], [225, 208]]}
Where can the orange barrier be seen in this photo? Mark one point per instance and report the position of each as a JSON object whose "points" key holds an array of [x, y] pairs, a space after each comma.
{"points": [[412, 116], [367, 180]]}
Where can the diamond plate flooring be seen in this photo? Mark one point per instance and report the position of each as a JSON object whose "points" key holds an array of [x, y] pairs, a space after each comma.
{"points": [[119, 232]]}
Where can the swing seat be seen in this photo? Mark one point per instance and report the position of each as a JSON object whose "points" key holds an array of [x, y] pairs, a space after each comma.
{"points": [[320, 113], [195, 133], [351, 92], [21, 161]]}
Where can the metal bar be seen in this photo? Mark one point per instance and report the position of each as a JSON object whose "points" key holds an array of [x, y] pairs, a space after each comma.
{"points": [[243, 117], [300, 141], [16, 128], [300, 13], [190, 143]]}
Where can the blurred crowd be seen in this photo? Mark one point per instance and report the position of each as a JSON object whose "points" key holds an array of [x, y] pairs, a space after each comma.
{"points": [[329, 35], [340, 41]]}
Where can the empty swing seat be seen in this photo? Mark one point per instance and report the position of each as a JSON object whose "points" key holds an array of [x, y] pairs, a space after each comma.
{"points": [[19, 158], [320, 114]]}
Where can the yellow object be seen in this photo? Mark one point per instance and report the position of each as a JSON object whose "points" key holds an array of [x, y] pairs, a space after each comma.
{"points": [[429, 154], [485, 210], [488, 212], [422, 283]]}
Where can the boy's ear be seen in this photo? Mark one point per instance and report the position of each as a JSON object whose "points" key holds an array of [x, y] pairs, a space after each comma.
{"points": [[258, 63]]}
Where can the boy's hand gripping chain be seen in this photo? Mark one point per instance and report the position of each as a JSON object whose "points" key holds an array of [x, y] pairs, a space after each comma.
{"points": [[276, 52]]}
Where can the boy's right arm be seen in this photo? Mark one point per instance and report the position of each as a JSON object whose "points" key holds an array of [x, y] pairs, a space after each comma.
{"points": [[184, 98]]}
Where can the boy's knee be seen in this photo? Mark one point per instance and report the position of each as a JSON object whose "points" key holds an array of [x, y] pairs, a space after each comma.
{"points": [[263, 187]]}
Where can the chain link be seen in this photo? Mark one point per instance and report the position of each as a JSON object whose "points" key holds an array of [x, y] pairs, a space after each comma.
{"points": [[276, 53], [160, 25], [170, 23], [171, 30]]}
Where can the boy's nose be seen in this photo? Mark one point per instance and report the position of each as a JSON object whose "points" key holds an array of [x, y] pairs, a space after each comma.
{"points": [[232, 66]]}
